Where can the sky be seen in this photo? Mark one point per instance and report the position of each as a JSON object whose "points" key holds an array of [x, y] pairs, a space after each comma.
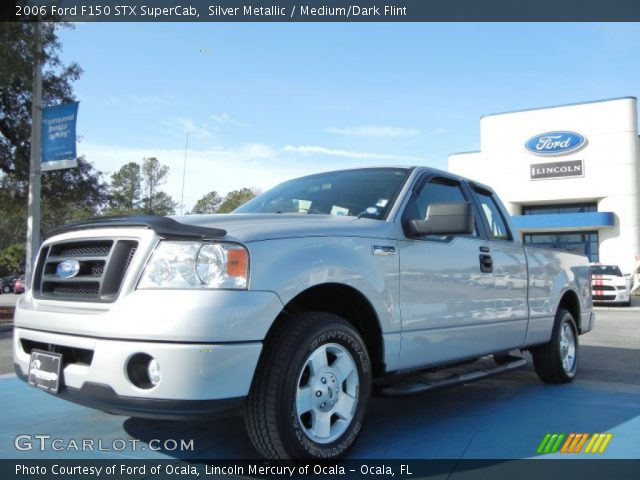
{"points": [[262, 103]]}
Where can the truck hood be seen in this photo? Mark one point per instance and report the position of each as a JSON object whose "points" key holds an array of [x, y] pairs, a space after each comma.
{"points": [[245, 227]]}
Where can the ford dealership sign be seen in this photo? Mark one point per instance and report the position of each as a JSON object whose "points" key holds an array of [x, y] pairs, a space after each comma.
{"points": [[555, 143]]}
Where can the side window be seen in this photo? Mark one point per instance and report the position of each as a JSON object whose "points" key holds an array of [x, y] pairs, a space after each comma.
{"points": [[494, 218], [438, 190]]}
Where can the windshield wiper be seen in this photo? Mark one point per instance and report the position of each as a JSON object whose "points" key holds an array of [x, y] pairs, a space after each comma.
{"points": [[299, 210]]}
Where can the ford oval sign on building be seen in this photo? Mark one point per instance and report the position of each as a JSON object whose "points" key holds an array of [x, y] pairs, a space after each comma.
{"points": [[555, 143]]}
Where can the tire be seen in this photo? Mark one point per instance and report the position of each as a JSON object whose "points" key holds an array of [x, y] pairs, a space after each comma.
{"points": [[294, 409], [557, 361], [6, 289]]}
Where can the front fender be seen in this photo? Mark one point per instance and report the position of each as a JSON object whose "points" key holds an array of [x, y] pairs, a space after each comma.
{"points": [[290, 266]]}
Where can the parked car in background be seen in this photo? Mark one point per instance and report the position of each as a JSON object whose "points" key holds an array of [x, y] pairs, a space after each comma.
{"points": [[609, 285], [7, 283], [19, 285]]}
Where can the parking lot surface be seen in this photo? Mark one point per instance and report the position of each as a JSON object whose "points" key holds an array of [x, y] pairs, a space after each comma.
{"points": [[505, 417]]}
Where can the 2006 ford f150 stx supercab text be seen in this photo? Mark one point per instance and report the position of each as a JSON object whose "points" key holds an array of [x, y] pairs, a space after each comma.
{"points": [[299, 305]]}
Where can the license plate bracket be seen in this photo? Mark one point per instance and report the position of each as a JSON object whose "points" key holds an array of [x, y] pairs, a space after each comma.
{"points": [[44, 370]]}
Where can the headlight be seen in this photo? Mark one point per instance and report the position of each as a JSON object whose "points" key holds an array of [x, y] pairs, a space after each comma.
{"points": [[196, 265]]}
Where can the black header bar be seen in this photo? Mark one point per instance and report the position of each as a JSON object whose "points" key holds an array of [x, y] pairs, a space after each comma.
{"points": [[321, 10]]}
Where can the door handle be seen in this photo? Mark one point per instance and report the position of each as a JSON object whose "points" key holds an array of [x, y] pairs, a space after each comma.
{"points": [[486, 263]]}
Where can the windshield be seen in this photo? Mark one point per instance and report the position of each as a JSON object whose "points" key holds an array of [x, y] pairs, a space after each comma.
{"points": [[606, 270], [363, 192]]}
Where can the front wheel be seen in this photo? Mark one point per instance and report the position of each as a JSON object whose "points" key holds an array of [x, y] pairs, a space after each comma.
{"points": [[557, 361], [310, 391]]}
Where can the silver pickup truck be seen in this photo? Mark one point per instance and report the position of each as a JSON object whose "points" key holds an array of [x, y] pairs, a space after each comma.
{"points": [[299, 305]]}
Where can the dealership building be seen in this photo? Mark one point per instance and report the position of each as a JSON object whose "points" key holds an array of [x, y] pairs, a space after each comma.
{"points": [[569, 175]]}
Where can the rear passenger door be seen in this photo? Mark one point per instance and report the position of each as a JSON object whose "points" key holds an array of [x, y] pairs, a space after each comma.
{"points": [[445, 297], [510, 290]]}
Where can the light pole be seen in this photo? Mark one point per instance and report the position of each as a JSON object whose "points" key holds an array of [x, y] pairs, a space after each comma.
{"points": [[33, 209]]}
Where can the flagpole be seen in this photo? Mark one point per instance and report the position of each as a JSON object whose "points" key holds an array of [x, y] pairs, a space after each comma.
{"points": [[33, 210]]}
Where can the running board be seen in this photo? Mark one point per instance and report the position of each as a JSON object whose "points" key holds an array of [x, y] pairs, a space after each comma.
{"points": [[426, 384]]}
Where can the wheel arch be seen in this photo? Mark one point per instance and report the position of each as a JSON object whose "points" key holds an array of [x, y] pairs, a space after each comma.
{"points": [[346, 302], [570, 302]]}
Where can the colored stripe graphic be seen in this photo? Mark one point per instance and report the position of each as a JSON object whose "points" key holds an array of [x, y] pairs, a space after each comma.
{"points": [[575, 442], [550, 443], [598, 443]]}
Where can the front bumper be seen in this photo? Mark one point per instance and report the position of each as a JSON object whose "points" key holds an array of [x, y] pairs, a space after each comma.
{"points": [[197, 379], [611, 296], [207, 343]]}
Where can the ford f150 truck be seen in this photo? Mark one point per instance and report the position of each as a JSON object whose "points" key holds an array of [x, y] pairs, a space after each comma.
{"points": [[299, 305]]}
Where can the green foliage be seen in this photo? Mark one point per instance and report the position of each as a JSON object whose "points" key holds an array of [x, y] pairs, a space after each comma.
{"points": [[236, 198], [209, 203], [67, 195], [131, 182], [125, 190], [17, 51], [160, 203], [155, 202], [12, 258]]}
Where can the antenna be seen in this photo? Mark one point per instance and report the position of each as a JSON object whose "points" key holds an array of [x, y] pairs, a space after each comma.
{"points": [[184, 173]]}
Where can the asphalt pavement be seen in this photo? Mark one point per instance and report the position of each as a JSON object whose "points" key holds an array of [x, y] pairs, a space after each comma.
{"points": [[505, 417]]}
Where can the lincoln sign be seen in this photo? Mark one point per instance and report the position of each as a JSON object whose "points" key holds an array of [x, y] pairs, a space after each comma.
{"points": [[573, 168]]}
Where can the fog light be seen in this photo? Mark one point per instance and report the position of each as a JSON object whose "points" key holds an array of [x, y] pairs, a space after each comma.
{"points": [[154, 372], [143, 371]]}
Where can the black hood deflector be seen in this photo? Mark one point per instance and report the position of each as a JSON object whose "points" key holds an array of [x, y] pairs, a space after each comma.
{"points": [[165, 227]]}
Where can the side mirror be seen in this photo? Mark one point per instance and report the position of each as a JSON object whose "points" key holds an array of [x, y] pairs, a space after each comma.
{"points": [[454, 218]]}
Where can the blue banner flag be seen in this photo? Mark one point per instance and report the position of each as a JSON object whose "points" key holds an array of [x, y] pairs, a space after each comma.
{"points": [[59, 137]]}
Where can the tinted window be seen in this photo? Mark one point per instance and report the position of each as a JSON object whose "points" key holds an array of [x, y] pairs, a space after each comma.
{"points": [[606, 270], [495, 220], [367, 192], [564, 208], [438, 190], [582, 243]]}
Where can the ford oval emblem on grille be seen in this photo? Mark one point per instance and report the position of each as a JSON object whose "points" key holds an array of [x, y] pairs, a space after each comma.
{"points": [[555, 143], [68, 269]]}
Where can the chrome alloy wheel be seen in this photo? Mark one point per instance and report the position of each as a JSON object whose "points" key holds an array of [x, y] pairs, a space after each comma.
{"points": [[568, 348], [327, 393]]}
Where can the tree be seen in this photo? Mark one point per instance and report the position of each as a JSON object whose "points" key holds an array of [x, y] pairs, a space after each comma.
{"points": [[208, 203], [17, 51], [156, 202], [236, 198], [67, 195], [72, 194], [162, 204], [125, 190], [12, 258]]}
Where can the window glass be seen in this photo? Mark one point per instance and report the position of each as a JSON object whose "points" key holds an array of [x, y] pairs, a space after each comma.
{"points": [[584, 243], [560, 208], [367, 192], [494, 218], [438, 190]]}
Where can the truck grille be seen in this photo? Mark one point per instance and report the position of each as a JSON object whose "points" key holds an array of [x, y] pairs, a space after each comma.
{"points": [[103, 265], [603, 287]]}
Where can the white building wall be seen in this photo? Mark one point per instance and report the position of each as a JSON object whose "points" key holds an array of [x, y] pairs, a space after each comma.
{"points": [[610, 159]]}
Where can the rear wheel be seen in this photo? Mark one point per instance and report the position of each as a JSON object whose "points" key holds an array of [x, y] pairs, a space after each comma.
{"points": [[310, 391], [557, 361]]}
